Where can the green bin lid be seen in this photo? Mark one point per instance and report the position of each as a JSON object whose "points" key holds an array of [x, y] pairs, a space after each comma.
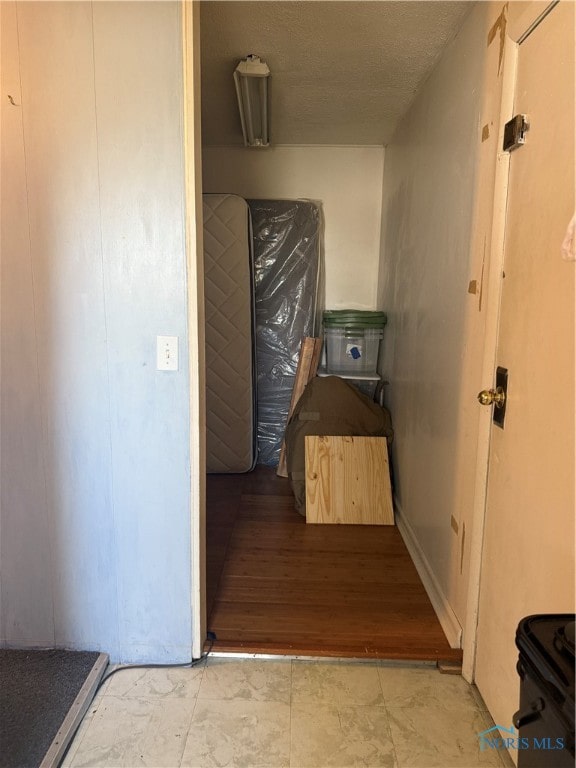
{"points": [[357, 318]]}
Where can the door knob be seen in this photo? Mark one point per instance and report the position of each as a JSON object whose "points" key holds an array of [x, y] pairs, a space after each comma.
{"points": [[495, 397]]}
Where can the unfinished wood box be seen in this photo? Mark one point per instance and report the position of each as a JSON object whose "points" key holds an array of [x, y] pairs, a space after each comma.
{"points": [[348, 480]]}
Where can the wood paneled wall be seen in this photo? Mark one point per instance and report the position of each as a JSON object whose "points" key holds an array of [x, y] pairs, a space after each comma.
{"points": [[95, 536]]}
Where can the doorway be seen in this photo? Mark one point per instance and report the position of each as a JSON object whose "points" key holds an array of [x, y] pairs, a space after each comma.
{"points": [[441, 550]]}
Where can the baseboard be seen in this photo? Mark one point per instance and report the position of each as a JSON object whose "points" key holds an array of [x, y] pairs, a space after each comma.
{"points": [[446, 615]]}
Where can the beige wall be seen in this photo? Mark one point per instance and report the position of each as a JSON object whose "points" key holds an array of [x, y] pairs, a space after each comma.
{"points": [[347, 181], [444, 210], [427, 262]]}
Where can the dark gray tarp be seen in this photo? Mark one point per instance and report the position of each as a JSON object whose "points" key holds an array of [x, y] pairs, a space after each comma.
{"points": [[330, 406]]}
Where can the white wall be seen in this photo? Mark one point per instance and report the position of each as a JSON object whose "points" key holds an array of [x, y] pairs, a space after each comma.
{"points": [[95, 475], [348, 182], [425, 269]]}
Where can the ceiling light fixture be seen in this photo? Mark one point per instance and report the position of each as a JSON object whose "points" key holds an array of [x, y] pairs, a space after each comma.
{"points": [[251, 80]]}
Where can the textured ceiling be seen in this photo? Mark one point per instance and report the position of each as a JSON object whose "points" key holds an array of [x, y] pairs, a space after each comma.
{"points": [[342, 72]]}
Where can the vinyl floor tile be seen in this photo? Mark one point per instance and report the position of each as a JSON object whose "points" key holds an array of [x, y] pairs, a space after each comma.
{"points": [[434, 737], [256, 680], [413, 687], [127, 732], [238, 734], [155, 682], [324, 736], [341, 684], [244, 713], [81, 732]]}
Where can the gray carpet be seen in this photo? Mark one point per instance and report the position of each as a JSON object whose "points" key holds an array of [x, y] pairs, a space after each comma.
{"points": [[37, 688]]}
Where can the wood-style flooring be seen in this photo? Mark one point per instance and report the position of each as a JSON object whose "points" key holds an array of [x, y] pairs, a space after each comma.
{"points": [[276, 585]]}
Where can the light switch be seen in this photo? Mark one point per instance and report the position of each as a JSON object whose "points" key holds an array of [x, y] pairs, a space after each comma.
{"points": [[167, 353]]}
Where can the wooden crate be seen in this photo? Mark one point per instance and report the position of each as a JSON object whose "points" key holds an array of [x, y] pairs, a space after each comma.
{"points": [[348, 480]]}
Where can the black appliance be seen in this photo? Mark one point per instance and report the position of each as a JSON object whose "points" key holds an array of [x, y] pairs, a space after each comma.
{"points": [[545, 720]]}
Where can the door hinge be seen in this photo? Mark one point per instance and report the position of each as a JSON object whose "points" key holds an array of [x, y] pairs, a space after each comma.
{"points": [[515, 132]]}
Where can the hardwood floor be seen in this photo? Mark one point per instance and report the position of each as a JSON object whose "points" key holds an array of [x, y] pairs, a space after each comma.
{"points": [[279, 586]]}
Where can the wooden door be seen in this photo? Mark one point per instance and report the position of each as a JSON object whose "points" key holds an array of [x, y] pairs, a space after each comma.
{"points": [[528, 554]]}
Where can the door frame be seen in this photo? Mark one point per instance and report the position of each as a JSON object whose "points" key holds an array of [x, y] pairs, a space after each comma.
{"points": [[519, 26], [195, 304]]}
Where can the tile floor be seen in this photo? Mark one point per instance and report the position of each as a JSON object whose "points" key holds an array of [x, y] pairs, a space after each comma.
{"points": [[284, 713]]}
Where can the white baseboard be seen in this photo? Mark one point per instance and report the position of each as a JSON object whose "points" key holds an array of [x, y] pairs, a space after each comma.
{"points": [[446, 615]]}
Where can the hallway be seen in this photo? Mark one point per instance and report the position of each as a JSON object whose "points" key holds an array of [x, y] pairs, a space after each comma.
{"points": [[279, 586]]}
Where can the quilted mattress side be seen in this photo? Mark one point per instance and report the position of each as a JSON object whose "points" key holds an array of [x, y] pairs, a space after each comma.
{"points": [[230, 388]]}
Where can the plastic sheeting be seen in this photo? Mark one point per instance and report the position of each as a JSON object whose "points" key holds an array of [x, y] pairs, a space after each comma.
{"points": [[287, 270]]}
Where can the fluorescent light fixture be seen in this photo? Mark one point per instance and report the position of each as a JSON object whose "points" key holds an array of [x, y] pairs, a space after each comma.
{"points": [[251, 80]]}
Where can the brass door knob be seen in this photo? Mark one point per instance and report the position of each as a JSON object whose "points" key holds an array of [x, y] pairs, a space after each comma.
{"points": [[495, 397]]}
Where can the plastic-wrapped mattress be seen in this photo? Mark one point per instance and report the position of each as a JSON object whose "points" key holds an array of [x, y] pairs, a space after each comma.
{"points": [[230, 365], [287, 271]]}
